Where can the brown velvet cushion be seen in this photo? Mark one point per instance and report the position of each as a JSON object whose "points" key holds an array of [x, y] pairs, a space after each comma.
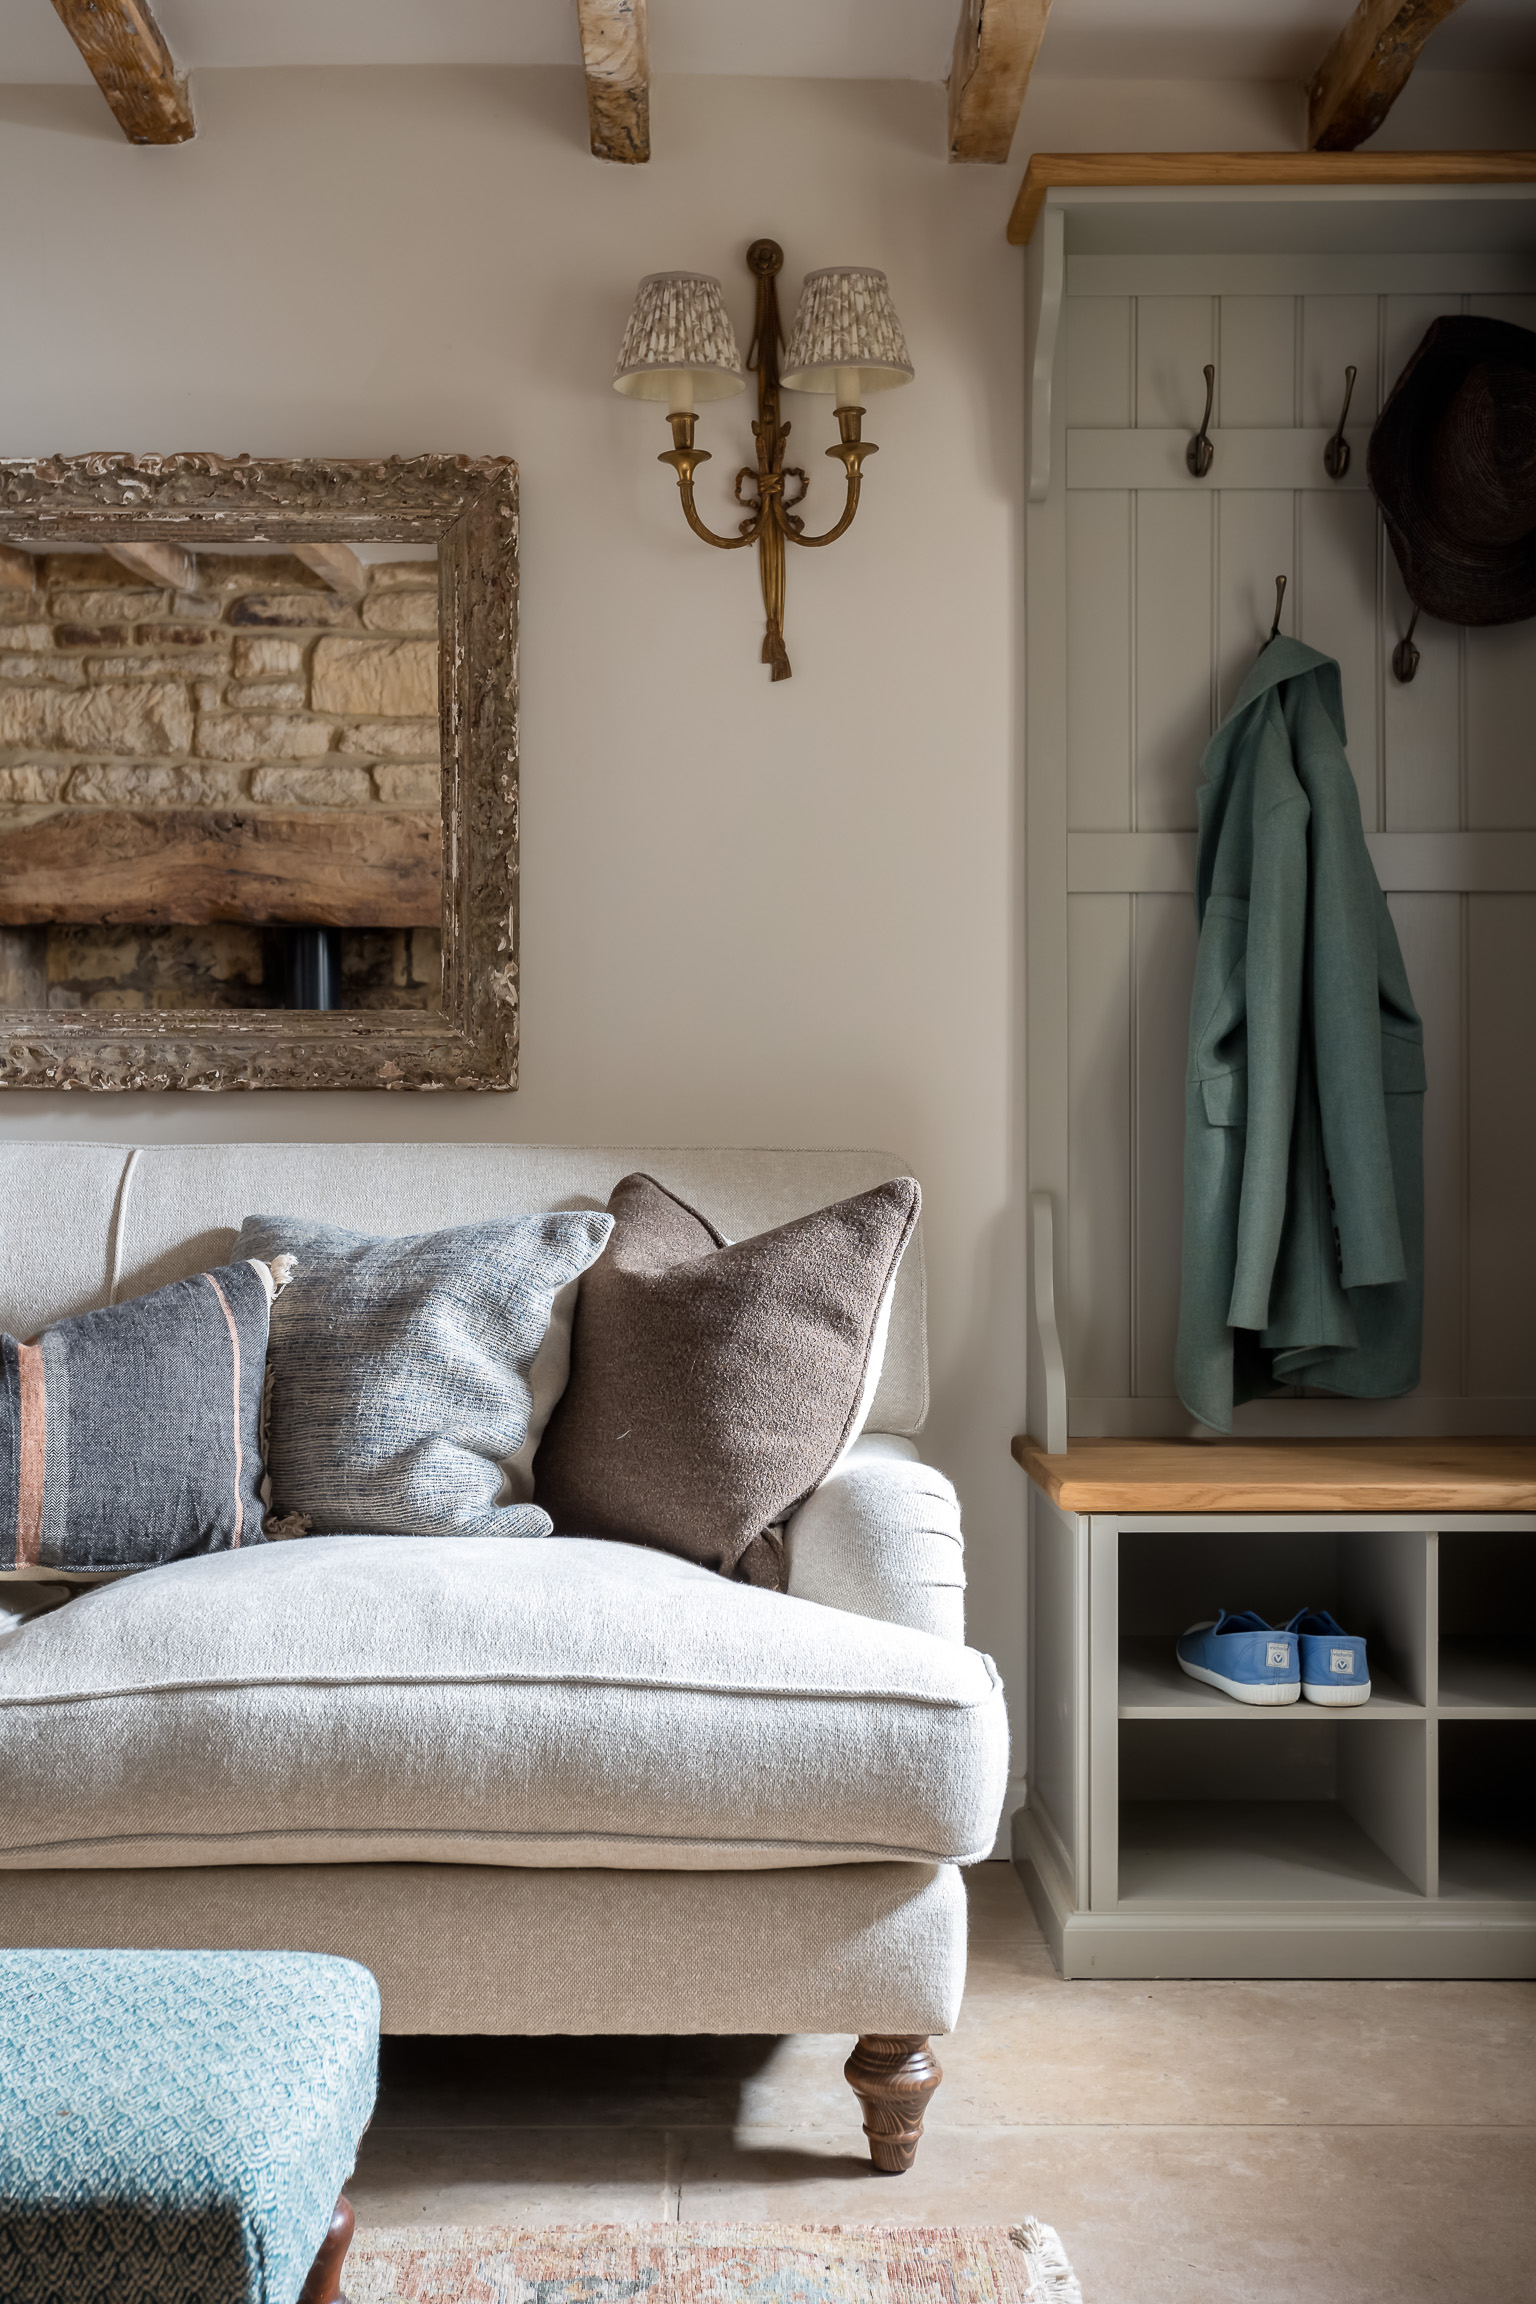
{"points": [[713, 1385]]}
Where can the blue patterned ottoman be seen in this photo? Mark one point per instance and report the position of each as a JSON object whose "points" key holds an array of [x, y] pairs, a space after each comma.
{"points": [[176, 2127]]}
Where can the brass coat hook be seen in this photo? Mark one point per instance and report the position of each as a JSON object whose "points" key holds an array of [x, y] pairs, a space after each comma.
{"points": [[1274, 630], [1336, 454], [1405, 657], [1200, 455]]}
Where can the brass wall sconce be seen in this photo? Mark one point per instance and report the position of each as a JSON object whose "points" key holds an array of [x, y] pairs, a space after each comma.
{"points": [[679, 347]]}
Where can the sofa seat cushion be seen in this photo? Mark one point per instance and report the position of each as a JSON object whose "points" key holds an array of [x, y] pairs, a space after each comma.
{"points": [[485, 1700]]}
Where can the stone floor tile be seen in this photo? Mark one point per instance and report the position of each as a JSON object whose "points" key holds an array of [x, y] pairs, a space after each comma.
{"points": [[1301, 2053], [1045, 2053], [1183, 2215], [1156, 2055], [760, 2175], [1292, 2216], [1030, 2048], [512, 2176], [802, 2087], [1006, 1940]]}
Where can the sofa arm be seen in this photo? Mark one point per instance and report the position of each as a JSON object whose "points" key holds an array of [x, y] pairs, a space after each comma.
{"points": [[881, 1537]]}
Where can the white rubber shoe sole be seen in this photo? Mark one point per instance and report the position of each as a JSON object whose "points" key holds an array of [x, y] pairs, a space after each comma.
{"points": [[1325, 1692], [1253, 1691]]}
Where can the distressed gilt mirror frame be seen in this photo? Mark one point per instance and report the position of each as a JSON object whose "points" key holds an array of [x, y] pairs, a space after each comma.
{"points": [[467, 507]]}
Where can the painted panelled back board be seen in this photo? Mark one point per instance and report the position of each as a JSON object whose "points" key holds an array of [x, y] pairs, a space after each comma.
{"points": [[1169, 593]]}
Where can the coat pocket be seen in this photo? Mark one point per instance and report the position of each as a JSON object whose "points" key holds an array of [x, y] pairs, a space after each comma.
{"points": [[1402, 1064], [1218, 1023], [1225, 1095]]}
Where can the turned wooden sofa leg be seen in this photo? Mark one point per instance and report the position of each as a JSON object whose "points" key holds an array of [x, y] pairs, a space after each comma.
{"points": [[893, 2074], [323, 2285]]}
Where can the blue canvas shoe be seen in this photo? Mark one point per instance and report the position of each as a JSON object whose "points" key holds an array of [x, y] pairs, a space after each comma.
{"points": [[1333, 1666], [1244, 1657]]}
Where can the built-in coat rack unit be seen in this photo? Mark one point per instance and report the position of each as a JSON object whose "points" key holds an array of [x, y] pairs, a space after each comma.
{"points": [[1211, 338]]}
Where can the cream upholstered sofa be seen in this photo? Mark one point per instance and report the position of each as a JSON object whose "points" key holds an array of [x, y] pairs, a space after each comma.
{"points": [[559, 1786]]}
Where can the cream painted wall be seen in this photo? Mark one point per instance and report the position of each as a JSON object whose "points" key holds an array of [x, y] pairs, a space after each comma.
{"points": [[752, 914]]}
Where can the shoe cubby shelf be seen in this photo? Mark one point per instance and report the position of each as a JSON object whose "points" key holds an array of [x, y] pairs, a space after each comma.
{"points": [[1484, 1677], [1171, 1830], [1153, 1688]]}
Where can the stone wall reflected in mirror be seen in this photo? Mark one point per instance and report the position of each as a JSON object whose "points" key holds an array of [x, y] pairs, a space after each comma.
{"points": [[188, 746]]}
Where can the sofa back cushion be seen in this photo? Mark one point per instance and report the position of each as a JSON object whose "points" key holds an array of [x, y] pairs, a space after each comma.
{"points": [[399, 1370], [85, 1223], [128, 1436], [714, 1384]]}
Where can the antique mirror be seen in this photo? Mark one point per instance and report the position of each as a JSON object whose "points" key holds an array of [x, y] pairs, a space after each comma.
{"points": [[258, 773]]}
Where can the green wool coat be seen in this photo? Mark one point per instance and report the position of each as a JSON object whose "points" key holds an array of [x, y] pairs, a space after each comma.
{"points": [[1303, 1253]]}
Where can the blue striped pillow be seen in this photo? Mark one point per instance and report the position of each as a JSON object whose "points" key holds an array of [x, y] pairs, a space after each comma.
{"points": [[129, 1436]]}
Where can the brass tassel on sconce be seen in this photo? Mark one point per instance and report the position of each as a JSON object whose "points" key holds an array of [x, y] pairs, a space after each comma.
{"points": [[846, 340]]}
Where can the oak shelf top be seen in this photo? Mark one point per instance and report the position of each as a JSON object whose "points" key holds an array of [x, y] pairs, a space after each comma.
{"points": [[1129, 171], [1285, 1475]]}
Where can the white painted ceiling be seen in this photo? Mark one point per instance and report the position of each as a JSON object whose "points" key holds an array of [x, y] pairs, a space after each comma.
{"points": [[838, 39]]}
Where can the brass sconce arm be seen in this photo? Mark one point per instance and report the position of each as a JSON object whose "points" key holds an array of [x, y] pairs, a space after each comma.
{"points": [[850, 452], [685, 460]]}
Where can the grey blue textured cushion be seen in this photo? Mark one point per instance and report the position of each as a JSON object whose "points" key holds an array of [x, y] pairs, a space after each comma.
{"points": [[399, 1371], [715, 1383], [129, 1436], [175, 2127], [371, 1699]]}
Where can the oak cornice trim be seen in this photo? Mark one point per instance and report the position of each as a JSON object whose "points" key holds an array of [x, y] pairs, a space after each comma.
{"points": [[996, 43], [1131, 171], [1367, 68], [616, 55], [132, 66]]}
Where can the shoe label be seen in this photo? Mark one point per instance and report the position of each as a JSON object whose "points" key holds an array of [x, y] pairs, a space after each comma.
{"points": [[1279, 1655], [1341, 1660]]}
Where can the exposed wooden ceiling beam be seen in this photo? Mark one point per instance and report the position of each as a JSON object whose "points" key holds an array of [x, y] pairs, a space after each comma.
{"points": [[161, 563], [337, 565], [614, 50], [1367, 68], [996, 43], [133, 67]]}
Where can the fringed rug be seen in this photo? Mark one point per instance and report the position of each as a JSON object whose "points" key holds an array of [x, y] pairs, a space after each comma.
{"points": [[712, 2264]]}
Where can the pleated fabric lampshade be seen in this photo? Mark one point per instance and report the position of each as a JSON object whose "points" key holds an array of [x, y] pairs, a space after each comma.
{"points": [[846, 338], [679, 345]]}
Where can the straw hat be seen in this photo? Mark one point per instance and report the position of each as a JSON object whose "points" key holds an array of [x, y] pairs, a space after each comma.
{"points": [[1452, 462]]}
